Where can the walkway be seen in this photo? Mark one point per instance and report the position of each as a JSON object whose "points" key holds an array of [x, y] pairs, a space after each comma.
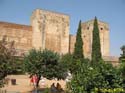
{"points": [[23, 84]]}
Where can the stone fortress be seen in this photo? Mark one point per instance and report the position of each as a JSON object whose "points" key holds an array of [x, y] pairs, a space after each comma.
{"points": [[51, 30], [87, 28]]}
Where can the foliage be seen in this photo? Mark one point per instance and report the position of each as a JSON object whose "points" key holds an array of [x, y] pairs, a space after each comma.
{"points": [[111, 75], [68, 62], [45, 63], [122, 58], [122, 65], [84, 79], [78, 50], [96, 49], [46, 90], [122, 73], [114, 90], [17, 66], [89, 76], [7, 59]]}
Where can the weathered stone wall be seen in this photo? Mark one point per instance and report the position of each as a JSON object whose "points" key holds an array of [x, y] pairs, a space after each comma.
{"points": [[112, 59], [20, 34], [50, 31], [72, 40], [87, 29]]}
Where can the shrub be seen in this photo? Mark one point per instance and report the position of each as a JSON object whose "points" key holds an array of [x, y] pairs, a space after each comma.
{"points": [[101, 76]]}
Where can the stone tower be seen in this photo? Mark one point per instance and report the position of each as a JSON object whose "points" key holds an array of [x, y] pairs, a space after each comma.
{"points": [[87, 28], [50, 31]]}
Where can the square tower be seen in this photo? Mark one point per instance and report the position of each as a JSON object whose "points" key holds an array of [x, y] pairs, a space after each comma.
{"points": [[50, 31], [87, 29]]}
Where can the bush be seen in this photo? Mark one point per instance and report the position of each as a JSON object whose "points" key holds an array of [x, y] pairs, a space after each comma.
{"points": [[114, 90], [88, 77]]}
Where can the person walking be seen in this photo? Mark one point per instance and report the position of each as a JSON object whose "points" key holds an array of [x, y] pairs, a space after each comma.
{"points": [[35, 79]]}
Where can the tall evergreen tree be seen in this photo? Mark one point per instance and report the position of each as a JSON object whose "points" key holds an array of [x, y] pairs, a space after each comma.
{"points": [[78, 50], [96, 49]]}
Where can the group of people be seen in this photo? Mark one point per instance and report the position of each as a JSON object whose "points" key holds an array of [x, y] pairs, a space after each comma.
{"points": [[56, 89], [53, 88]]}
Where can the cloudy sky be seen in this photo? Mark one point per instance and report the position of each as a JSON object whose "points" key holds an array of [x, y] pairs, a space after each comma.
{"points": [[110, 11]]}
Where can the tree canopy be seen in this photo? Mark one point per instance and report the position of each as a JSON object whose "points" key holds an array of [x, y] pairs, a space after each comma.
{"points": [[7, 59], [44, 63]]}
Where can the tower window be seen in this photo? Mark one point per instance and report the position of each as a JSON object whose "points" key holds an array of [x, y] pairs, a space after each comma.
{"points": [[101, 28], [87, 28]]}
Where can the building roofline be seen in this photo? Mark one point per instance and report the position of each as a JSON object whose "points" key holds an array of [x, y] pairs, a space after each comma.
{"points": [[11, 23], [16, 26], [93, 20], [52, 11]]}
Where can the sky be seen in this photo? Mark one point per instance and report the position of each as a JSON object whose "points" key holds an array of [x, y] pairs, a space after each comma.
{"points": [[109, 11]]}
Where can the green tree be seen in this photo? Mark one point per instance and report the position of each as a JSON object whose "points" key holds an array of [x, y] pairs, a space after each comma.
{"points": [[111, 75], [122, 58], [66, 60], [122, 73], [44, 63], [78, 50], [69, 63], [96, 49], [122, 64], [7, 59]]}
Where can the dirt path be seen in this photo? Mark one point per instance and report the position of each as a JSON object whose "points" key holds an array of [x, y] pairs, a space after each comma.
{"points": [[23, 84]]}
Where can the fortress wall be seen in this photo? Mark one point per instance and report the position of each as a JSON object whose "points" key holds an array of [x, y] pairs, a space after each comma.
{"points": [[53, 29], [20, 34], [87, 29], [72, 40], [50, 30]]}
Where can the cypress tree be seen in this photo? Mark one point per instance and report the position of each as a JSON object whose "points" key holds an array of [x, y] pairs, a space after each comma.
{"points": [[96, 49], [78, 50]]}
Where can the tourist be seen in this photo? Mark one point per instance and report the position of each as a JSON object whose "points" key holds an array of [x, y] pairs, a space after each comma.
{"points": [[58, 87], [42, 82], [35, 80], [31, 80], [53, 88]]}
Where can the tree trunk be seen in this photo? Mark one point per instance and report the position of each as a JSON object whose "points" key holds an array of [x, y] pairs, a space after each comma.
{"points": [[39, 76]]}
